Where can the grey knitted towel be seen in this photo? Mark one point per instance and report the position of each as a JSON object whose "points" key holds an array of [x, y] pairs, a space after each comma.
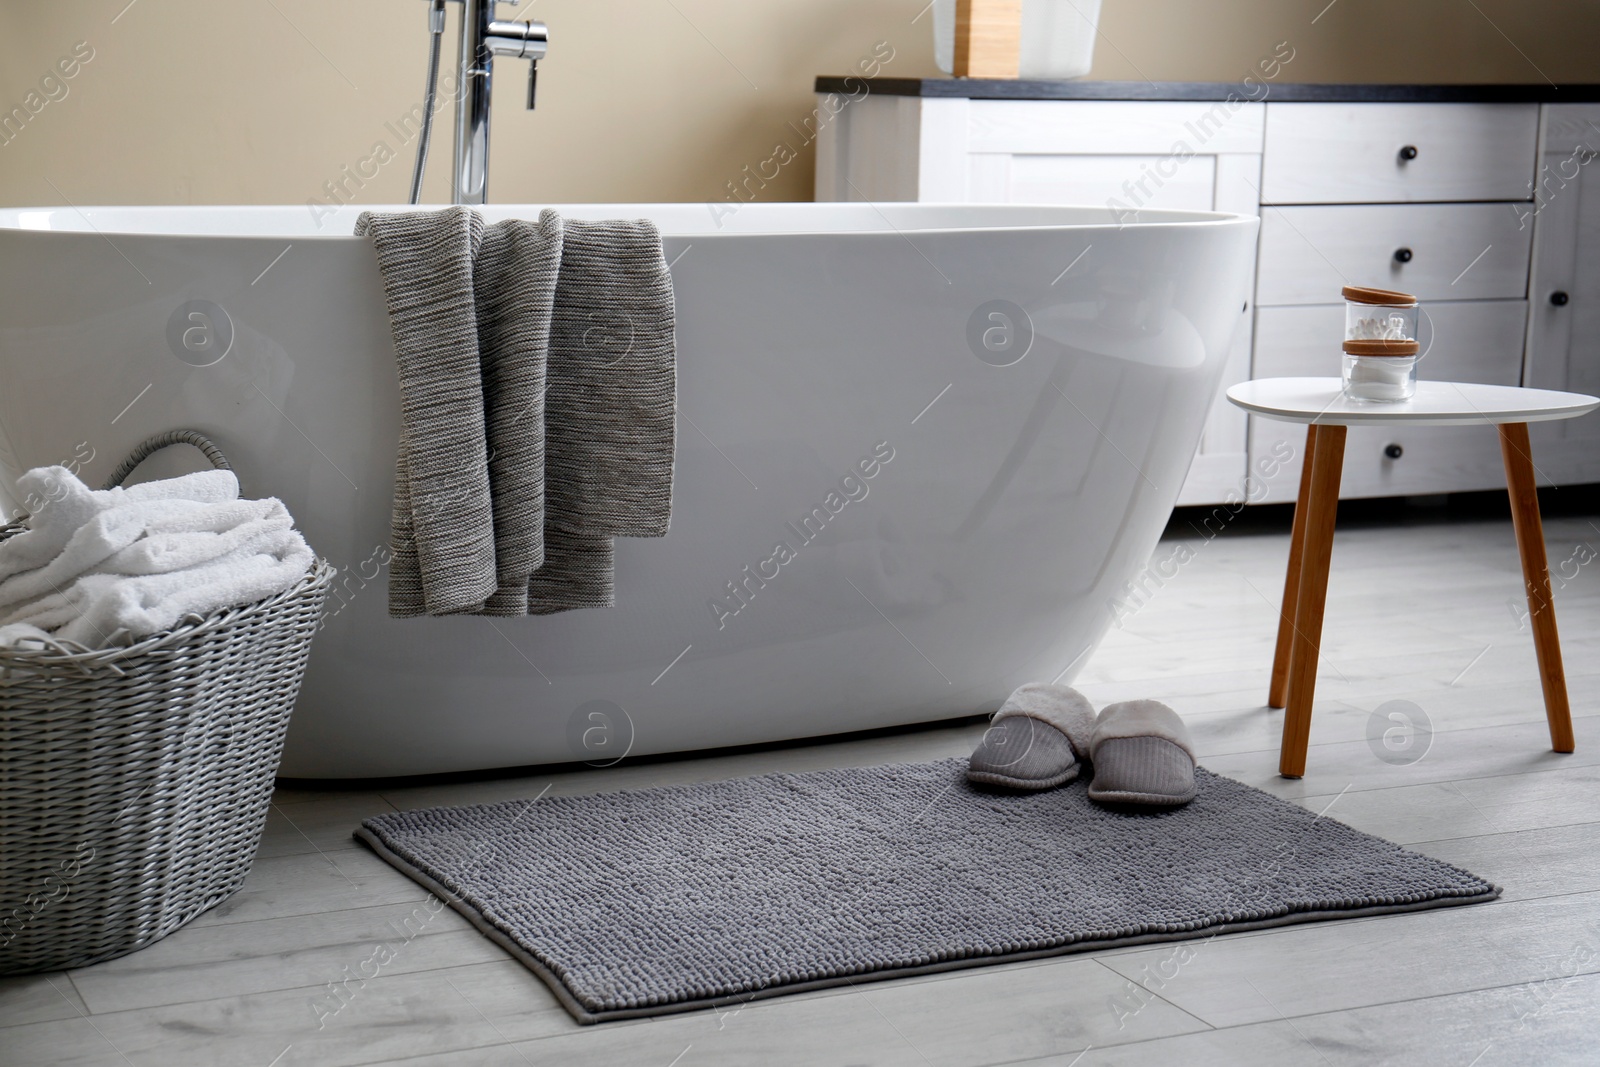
{"points": [[445, 563], [501, 508], [514, 279], [609, 440]]}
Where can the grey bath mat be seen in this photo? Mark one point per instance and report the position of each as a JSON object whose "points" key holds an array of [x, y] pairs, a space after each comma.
{"points": [[661, 900]]}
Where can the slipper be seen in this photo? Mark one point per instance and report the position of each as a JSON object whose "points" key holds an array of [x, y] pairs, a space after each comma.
{"points": [[1037, 740], [1142, 754]]}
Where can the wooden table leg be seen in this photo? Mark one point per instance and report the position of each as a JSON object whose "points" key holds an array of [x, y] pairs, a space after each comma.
{"points": [[1322, 507], [1525, 520], [1277, 691]]}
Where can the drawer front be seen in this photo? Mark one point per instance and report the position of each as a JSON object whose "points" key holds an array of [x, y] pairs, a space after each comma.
{"points": [[1353, 153], [1470, 341], [1443, 459], [1436, 251]]}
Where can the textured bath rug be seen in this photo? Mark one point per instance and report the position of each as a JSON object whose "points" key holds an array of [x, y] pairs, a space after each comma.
{"points": [[660, 900]]}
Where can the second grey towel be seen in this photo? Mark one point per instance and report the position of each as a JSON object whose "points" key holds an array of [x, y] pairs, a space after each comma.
{"points": [[514, 279], [538, 383], [612, 394]]}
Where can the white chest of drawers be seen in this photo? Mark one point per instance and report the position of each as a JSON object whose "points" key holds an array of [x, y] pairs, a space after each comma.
{"points": [[1478, 199]]}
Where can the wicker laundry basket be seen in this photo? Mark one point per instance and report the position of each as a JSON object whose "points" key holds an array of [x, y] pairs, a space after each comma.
{"points": [[135, 781]]}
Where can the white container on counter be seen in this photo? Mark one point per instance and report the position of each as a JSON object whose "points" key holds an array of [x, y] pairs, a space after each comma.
{"points": [[1057, 37]]}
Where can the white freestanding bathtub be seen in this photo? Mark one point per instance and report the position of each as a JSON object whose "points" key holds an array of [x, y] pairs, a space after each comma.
{"points": [[1026, 386]]}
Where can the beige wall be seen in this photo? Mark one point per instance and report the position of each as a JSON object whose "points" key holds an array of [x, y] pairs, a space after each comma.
{"points": [[215, 101]]}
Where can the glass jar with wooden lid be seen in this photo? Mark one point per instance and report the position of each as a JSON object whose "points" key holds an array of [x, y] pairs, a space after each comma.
{"points": [[1380, 344]]}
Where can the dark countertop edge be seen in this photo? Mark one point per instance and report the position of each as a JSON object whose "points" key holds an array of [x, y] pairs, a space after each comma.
{"points": [[1015, 89]]}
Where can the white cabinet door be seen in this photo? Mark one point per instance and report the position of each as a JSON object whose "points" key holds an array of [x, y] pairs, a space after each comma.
{"points": [[1110, 127], [1564, 294], [1064, 179]]}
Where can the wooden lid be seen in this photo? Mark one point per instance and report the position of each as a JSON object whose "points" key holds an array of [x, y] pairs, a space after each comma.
{"points": [[1381, 348], [1360, 294]]}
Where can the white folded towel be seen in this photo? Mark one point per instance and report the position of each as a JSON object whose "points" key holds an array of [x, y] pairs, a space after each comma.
{"points": [[196, 538], [100, 610], [140, 560], [60, 504], [97, 543]]}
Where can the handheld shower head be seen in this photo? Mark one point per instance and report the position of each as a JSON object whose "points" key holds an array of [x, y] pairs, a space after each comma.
{"points": [[429, 97]]}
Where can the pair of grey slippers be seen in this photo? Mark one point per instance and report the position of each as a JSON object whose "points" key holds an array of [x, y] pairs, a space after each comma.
{"points": [[1044, 736]]}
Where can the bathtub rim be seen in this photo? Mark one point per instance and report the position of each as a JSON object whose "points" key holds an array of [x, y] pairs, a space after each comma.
{"points": [[237, 216]]}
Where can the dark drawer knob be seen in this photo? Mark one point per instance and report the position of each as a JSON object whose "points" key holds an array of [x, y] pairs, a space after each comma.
{"points": [[1409, 152], [1402, 255], [1393, 451], [1559, 299]]}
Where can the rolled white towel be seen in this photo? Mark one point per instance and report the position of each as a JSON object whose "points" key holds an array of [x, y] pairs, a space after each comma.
{"points": [[60, 504]]}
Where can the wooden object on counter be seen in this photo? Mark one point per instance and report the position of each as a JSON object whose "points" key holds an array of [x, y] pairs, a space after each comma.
{"points": [[988, 38]]}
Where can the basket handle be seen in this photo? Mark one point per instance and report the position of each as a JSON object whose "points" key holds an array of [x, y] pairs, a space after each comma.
{"points": [[145, 449]]}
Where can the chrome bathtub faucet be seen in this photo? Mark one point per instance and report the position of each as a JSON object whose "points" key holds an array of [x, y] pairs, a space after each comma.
{"points": [[483, 37]]}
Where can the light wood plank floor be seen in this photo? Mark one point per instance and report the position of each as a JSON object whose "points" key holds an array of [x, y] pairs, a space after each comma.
{"points": [[1423, 608]]}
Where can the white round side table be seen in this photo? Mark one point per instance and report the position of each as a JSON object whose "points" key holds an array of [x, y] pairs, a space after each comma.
{"points": [[1320, 403]]}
